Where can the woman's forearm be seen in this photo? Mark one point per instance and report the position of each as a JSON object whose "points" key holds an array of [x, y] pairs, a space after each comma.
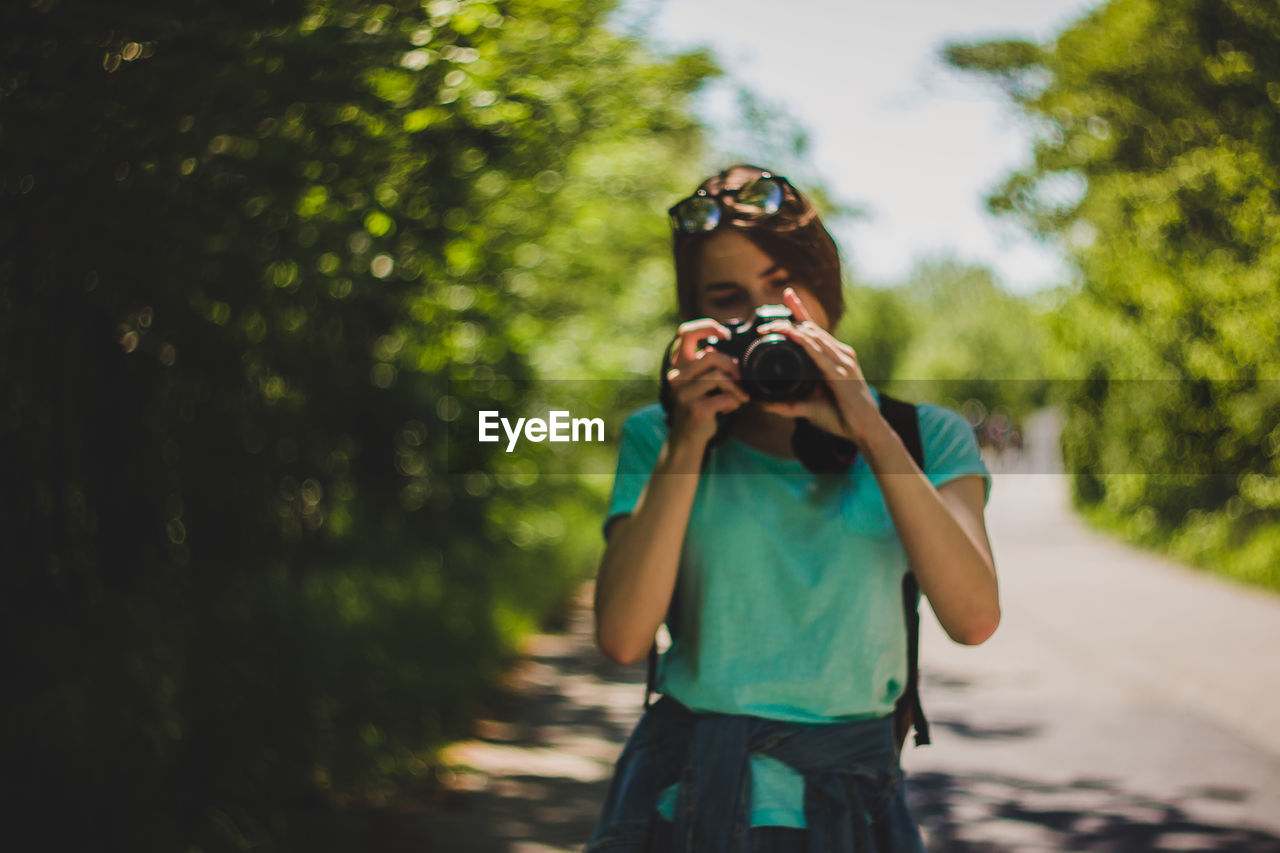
{"points": [[954, 569], [637, 574]]}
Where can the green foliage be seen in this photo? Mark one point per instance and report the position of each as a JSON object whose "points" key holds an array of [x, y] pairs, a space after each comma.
{"points": [[974, 340], [879, 323], [948, 334], [258, 257], [1157, 162]]}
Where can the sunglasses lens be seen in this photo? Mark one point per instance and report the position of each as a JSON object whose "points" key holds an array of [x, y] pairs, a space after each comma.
{"points": [[761, 196], [700, 213]]}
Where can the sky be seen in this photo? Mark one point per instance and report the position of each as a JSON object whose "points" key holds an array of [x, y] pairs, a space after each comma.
{"points": [[914, 144]]}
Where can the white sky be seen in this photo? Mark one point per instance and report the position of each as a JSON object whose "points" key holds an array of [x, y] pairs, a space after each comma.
{"points": [[918, 146]]}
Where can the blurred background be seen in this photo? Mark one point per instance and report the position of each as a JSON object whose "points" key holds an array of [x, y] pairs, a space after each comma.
{"points": [[258, 256]]}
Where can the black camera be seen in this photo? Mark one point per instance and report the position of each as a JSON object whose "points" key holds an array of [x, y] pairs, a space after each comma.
{"points": [[772, 367]]}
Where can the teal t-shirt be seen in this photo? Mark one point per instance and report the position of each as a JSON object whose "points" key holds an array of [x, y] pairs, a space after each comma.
{"points": [[789, 588]]}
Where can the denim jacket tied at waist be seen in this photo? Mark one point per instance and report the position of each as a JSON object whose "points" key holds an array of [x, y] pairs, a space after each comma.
{"points": [[853, 800]]}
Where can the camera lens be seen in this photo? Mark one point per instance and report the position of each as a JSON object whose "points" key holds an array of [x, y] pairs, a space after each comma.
{"points": [[775, 368]]}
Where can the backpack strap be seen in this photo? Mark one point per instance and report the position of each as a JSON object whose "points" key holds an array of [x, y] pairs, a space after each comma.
{"points": [[651, 676], [908, 712]]}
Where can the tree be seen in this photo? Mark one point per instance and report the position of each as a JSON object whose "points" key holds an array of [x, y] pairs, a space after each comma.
{"points": [[258, 257], [972, 339], [1157, 162]]}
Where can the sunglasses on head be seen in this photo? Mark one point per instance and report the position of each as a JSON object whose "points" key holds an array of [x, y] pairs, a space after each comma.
{"points": [[703, 211]]}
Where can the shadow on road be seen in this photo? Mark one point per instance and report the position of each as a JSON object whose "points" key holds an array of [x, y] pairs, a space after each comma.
{"points": [[536, 774], [1000, 814], [533, 779]]}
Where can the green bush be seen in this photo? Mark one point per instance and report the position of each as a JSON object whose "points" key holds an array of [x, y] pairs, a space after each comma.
{"points": [[1157, 164], [258, 256], [948, 334]]}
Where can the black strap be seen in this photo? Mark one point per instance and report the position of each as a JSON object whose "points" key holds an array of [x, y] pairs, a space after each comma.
{"points": [[651, 677], [820, 451], [908, 711], [901, 415]]}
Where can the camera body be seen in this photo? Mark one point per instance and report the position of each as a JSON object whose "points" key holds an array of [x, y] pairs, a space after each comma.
{"points": [[773, 367]]}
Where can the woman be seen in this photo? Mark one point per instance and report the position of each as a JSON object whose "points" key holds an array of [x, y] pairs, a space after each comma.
{"points": [[781, 587]]}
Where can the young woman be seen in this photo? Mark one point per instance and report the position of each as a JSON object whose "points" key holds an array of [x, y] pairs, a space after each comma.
{"points": [[782, 588]]}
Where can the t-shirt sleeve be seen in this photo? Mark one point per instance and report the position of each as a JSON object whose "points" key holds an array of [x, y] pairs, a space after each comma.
{"points": [[643, 434], [950, 447]]}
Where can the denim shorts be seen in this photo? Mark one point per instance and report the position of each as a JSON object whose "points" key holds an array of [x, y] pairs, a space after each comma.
{"points": [[764, 839]]}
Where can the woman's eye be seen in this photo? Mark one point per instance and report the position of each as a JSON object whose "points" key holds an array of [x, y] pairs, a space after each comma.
{"points": [[725, 301]]}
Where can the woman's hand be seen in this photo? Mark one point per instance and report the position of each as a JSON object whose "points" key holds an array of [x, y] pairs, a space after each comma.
{"points": [[844, 404], [703, 384]]}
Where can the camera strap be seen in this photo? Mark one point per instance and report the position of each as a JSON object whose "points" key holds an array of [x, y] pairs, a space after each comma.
{"points": [[820, 451]]}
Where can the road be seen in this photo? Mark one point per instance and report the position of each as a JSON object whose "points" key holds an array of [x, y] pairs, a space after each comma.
{"points": [[1126, 703]]}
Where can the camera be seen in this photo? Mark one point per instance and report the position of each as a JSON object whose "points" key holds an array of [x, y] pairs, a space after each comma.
{"points": [[773, 367]]}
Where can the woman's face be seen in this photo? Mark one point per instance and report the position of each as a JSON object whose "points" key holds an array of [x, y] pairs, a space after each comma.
{"points": [[735, 277]]}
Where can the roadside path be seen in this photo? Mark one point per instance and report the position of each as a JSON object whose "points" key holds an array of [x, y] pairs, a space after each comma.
{"points": [[534, 779], [1126, 703]]}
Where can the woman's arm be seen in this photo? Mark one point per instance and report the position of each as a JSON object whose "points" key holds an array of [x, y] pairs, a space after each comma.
{"points": [[637, 574], [944, 535], [942, 529]]}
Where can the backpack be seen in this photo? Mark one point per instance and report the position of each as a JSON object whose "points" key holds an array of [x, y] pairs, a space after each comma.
{"points": [[824, 453]]}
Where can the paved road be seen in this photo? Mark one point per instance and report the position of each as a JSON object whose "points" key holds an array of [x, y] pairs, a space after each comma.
{"points": [[1125, 704]]}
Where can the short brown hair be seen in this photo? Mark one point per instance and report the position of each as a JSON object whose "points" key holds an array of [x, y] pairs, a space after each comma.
{"points": [[794, 237]]}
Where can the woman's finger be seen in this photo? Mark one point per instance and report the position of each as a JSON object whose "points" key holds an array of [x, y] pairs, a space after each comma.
{"points": [[703, 382], [707, 359], [837, 347], [833, 364], [841, 353], [792, 300], [800, 335], [708, 383], [805, 322], [712, 405], [695, 332]]}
